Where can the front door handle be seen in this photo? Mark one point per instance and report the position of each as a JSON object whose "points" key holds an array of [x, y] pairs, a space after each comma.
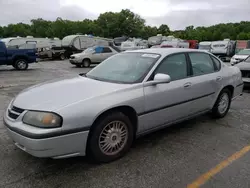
{"points": [[218, 78], [189, 84]]}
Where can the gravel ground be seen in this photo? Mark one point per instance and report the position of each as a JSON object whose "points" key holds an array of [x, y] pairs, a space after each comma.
{"points": [[173, 157]]}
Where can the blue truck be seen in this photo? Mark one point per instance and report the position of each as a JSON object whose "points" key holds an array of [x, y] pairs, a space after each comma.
{"points": [[18, 58]]}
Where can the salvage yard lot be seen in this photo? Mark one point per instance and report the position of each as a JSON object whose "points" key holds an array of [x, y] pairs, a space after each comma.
{"points": [[174, 157]]}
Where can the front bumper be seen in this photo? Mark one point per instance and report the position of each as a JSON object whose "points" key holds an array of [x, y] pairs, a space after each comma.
{"points": [[75, 61], [52, 146]]}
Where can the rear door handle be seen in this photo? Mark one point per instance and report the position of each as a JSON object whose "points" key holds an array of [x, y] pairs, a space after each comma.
{"points": [[189, 84], [218, 78]]}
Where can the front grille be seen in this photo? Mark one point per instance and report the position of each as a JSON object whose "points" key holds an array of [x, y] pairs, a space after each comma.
{"points": [[16, 109], [245, 74], [15, 112], [12, 115]]}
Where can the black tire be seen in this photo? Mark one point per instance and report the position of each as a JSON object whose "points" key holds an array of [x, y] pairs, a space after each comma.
{"points": [[94, 150], [21, 64], [86, 63], [216, 112], [62, 57]]}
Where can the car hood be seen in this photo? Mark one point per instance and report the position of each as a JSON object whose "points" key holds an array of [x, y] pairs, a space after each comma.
{"points": [[240, 56], [243, 65], [54, 95], [81, 54]]}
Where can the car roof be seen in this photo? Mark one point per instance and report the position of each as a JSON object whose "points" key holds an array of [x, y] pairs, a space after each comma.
{"points": [[165, 51]]}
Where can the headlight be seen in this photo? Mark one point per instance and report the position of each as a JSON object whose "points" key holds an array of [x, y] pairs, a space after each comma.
{"points": [[42, 119]]}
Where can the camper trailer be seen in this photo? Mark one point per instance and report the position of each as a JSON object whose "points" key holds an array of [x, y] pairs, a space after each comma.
{"points": [[223, 49], [134, 44], [156, 40], [77, 43], [205, 45], [31, 42], [7, 40], [119, 40], [175, 43]]}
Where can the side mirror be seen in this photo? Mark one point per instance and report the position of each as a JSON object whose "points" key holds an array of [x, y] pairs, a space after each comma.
{"points": [[160, 79]]}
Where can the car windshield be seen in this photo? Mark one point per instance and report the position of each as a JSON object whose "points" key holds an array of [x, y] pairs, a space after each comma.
{"points": [[130, 67], [91, 49], [248, 59], [244, 52]]}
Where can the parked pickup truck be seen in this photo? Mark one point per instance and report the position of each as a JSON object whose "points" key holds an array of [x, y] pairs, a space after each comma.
{"points": [[18, 58]]}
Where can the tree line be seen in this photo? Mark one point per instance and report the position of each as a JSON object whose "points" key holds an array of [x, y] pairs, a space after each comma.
{"points": [[125, 22]]}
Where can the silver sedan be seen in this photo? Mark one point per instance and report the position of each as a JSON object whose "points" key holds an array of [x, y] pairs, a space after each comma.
{"points": [[128, 95], [244, 67]]}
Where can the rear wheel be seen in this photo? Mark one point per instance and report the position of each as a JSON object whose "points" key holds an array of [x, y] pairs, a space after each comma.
{"points": [[86, 63], [111, 137], [21, 64], [222, 104]]}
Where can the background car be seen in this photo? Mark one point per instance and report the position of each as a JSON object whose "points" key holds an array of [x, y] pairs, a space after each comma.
{"points": [[244, 67], [128, 95], [95, 54], [240, 56]]}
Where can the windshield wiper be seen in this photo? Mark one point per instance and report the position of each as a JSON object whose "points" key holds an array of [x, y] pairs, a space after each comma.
{"points": [[83, 74]]}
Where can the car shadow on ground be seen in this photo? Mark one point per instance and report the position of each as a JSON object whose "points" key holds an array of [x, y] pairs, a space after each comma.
{"points": [[90, 67], [14, 70]]}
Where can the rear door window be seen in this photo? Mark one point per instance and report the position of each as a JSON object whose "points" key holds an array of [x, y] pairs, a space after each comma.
{"points": [[201, 63], [106, 50]]}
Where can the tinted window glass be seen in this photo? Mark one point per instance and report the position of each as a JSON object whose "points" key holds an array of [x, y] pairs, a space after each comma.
{"points": [[201, 63], [217, 63], [98, 49], [175, 66], [106, 50]]}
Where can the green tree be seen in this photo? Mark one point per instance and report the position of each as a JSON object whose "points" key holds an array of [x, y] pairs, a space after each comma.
{"points": [[1, 32], [242, 36], [125, 22], [164, 30]]}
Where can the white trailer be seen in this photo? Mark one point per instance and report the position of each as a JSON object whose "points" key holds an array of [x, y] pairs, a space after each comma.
{"points": [[77, 43], [175, 43], [134, 44], [31, 42], [223, 49], [205, 45]]}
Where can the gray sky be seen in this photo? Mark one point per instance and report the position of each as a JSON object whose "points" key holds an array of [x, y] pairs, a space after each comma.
{"points": [[176, 13]]}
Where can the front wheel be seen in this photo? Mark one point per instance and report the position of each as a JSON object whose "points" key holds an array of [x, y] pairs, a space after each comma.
{"points": [[222, 104], [86, 63], [21, 64], [111, 137], [62, 57]]}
